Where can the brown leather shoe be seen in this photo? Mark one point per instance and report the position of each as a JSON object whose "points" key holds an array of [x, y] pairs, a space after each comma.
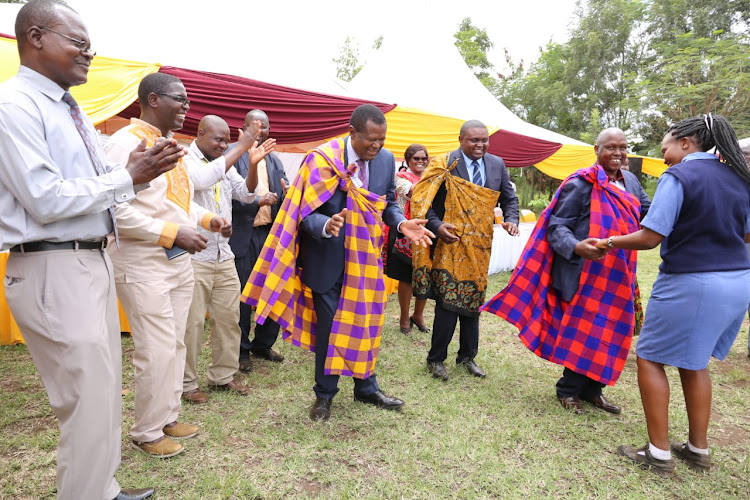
{"points": [[645, 460], [246, 365], [696, 461], [605, 405], [195, 396], [321, 410], [159, 448], [572, 403], [231, 386], [180, 430]]}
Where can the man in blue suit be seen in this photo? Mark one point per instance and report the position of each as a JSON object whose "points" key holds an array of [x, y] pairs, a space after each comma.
{"points": [[487, 170], [252, 223], [322, 252]]}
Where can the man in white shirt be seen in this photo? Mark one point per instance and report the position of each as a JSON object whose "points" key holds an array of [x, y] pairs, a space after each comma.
{"points": [[217, 287]]}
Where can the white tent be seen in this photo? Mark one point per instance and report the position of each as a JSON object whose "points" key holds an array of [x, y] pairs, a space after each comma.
{"points": [[424, 69]]}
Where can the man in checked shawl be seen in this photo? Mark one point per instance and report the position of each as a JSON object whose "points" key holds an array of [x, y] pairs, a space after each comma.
{"points": [[570, 310], [320, 275], [457, 194]]}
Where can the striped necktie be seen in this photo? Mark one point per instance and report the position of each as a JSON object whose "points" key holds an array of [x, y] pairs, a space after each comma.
{"points": [[77, 115], [362, 172], [477, 177]]}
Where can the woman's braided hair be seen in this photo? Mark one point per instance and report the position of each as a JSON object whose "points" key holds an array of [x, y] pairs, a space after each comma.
{"points": [[714, 131]]}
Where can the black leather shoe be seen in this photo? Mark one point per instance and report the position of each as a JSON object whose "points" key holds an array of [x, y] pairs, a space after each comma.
{"points": [[135, 494], [321, 410], [603, 404], [572, 403], [269, 354], [246, 365], [437, 369], [380, 400], [473, 369]]}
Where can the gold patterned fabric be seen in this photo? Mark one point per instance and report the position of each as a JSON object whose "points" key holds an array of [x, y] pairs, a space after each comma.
{"points": [[456, 275]]}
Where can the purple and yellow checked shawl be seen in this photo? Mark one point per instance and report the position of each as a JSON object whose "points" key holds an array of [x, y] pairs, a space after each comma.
{"points": [[592, 333], [275, 286]]}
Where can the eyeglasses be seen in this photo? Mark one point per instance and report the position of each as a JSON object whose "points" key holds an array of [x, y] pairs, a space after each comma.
{"points": [[179, 98], [419, 158], [82, 45]]}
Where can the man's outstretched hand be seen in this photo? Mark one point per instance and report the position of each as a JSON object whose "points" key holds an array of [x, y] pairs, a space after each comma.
{"points": [[414, 230]]}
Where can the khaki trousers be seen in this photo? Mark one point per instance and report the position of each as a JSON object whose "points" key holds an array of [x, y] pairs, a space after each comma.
{"points": [[65, 305], [216, 290], [157, 312]]}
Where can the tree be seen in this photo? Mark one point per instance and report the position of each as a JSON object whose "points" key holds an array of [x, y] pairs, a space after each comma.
{"points": [[347, 63], [473, 44]]}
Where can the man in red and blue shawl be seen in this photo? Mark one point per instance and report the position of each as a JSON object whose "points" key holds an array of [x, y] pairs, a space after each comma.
{"points": [[569, 309], [320, 273]]}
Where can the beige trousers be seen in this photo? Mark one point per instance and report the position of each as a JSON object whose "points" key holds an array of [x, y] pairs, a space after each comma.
{"points": [[65, 304], [216, 290], [157, 312]]}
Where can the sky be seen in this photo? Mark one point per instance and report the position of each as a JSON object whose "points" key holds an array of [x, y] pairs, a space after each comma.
{"points": [[293, 42]]}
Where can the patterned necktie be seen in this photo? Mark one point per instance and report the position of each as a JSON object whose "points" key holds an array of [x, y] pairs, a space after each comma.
{"points": [[362, 172], [77, 115], [477, 177]]}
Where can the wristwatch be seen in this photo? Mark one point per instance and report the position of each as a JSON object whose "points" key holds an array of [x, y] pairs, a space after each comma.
{"points": [[609, 242]]}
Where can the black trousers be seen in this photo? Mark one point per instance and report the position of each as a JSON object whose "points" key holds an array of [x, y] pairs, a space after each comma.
{"points": [[267, 333], [573, 384], [326, 386], [442, 333]]}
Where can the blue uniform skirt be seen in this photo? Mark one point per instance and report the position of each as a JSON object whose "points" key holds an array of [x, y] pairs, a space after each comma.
{"points": [[693, 316]]}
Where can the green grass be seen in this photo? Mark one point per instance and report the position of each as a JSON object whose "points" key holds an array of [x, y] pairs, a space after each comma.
{"points": [[504, 436]]}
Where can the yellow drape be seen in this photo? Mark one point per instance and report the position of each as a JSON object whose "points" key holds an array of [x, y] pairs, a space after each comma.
{"points": [[112, 84]]}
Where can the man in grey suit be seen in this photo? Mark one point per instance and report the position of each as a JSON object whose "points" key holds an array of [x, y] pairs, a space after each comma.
{"points": [[252, 223], [487, 170]]}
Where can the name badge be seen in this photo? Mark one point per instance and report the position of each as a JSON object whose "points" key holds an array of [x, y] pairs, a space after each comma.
{"points": [[357, 181]]}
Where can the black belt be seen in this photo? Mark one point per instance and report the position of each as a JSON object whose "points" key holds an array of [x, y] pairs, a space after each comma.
{"points": [[42, 246]]}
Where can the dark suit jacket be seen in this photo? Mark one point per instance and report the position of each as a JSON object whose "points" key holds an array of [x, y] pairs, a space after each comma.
{"points": [[497, 178], [322, 259], [569, 224], [243, 214]]}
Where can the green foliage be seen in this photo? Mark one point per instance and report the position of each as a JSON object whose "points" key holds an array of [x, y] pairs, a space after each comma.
{"points": [[538, 204], [347, 63], [473, 44]]}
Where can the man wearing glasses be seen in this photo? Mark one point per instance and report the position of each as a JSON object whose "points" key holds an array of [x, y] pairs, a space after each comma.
{"points": [[56, 195], [153, 273]]}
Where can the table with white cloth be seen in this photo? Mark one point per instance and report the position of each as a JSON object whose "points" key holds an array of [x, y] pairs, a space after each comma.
{"points": [[507, 249]]}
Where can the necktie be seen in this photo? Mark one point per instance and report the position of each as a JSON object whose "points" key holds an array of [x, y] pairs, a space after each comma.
{"points": [[362, 172], [477, 177], [77, 115]]}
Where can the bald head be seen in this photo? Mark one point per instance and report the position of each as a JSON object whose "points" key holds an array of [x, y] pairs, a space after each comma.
{"points": [[611, 150], [256, 123], [213, 136]]}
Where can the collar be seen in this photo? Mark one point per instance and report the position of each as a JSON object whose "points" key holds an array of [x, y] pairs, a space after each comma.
{"points": [[155, 131], [468, 160], [352, 155], [41, 83], [700, 155], [197, 152], [617, 178]]}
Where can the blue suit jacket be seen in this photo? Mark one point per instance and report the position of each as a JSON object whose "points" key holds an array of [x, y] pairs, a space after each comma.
{"points": [[497, 178], [322, 259], [569, 224], [243, 214]]}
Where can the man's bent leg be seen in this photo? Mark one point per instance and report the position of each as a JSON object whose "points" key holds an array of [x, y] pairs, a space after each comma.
{"points": [[225, 332], [194, 330], [468, 338], [62, 301], [442, 333], [326, 386], [180, 295]]}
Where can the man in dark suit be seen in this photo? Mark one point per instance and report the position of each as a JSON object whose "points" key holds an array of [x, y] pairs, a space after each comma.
{"points": [[568, 236], [252, 223], [487, 170], [322, 251]]}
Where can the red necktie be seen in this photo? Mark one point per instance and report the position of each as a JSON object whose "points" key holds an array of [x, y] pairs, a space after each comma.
{"points": [[77, 115]]}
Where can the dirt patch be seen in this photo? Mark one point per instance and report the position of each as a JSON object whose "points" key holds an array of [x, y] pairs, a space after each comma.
{"points": [[310, 488], [730, 436]]}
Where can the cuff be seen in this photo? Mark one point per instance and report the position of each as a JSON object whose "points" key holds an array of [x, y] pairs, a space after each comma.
{"points": [[168, 234], [123, 185], [206, 221]]}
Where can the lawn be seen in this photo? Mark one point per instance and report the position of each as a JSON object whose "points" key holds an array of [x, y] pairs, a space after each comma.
{"points": [[503, 436]]}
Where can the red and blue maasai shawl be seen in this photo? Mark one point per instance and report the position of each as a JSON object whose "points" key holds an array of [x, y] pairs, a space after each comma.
{"points": [[275, 286], [592, 333]]}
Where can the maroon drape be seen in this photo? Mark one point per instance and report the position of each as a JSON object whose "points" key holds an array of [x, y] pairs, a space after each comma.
{"points": [[520, 150], [295, 115]]}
